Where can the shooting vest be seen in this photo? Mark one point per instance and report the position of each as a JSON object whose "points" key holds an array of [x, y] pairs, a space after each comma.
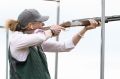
{"points": [[35, 67]]}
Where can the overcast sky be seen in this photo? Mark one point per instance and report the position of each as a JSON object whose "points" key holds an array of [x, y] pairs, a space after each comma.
{"points": [[84, 61]]}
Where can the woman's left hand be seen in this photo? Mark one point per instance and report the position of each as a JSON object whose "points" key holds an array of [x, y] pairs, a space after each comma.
{"points": [[93, 24]]}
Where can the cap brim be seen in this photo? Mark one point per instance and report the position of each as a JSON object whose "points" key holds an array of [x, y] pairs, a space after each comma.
{"points": [[42, 18]]}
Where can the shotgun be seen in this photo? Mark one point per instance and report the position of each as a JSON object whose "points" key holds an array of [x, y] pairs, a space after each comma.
{"points": [[85, 21]]}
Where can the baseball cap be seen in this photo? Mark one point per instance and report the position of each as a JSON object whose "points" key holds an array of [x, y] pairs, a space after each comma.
{"points": [[30, 15]]}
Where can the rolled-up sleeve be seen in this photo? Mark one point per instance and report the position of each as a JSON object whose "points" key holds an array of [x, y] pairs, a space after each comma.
{"points": [[55, 46]]}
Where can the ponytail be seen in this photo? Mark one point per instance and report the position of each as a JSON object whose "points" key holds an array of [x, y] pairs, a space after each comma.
{"points": [[11, 24]]}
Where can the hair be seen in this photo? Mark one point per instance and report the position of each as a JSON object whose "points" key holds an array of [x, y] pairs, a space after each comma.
{"points": [[11, 24]]}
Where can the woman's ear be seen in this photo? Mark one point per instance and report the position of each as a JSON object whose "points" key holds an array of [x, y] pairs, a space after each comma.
{"points": [[30, 26]]}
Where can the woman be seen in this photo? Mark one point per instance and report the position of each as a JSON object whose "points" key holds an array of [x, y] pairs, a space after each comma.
{"points": [[29, 42]]}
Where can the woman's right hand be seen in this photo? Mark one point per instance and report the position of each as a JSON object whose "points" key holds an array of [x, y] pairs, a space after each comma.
{"points": [[56, 29]]}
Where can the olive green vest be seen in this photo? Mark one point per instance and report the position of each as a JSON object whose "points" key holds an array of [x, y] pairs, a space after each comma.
{"points": [[35, 67]]}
